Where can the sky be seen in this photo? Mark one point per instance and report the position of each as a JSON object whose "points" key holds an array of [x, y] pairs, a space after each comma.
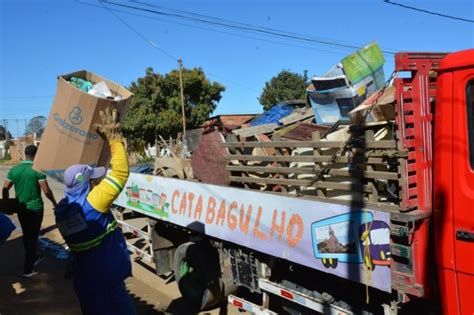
{"points": [[41, 39]]}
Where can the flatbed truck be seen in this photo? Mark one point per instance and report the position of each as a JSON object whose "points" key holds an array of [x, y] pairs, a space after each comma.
{"points": [[269, 252]]}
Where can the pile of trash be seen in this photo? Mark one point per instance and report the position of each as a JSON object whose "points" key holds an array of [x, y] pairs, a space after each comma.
{"points": [[99, 89], [348, 102]]}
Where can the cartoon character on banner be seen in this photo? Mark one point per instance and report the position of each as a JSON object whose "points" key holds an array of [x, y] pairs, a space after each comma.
{"points": [[343, 238]]}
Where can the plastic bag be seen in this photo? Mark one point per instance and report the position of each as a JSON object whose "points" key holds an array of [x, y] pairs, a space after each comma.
{"points": [[80, 83], [101, 90]]}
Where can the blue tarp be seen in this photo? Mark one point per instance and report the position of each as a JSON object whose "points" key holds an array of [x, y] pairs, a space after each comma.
{"points": [[273, 115]]}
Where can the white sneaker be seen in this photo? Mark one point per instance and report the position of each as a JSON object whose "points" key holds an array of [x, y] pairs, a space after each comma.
{"points": [[31, 274]]}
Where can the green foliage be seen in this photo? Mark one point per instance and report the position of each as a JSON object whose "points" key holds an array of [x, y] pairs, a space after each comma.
{"points": [[36, 126], [6, 157], [145, 160], [3, 133], [285, 86], [155, 108]]}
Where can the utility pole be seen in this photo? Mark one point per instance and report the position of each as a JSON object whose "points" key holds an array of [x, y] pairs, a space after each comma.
{"points": [[17, 130], [7, 146], [6, 130], [180, 61]]}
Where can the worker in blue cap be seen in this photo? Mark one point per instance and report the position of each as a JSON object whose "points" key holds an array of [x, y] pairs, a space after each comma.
{"points": [[101, 261]]}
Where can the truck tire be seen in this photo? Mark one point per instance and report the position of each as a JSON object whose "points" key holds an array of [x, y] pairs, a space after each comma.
{"points": [[197, 273]]}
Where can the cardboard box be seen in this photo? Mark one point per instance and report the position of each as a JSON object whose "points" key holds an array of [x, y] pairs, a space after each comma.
{"points": [[384, 110], [346, 85], [69, 137]]}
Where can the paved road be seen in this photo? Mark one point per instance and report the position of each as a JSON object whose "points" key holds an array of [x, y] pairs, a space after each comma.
{"points": [[49, 293]]}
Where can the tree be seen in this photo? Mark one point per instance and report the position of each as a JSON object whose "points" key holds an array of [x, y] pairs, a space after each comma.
{"points": [[285, 86], [3, 134], [36, 126], [155, 108]]}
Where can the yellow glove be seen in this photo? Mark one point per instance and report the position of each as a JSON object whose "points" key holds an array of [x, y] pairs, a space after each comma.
{"points": [[110, 127]]}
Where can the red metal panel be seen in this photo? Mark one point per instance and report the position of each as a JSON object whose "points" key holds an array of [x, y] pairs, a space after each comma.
{"points": [[443, 197], [413, 107], [411, 156], [411, 167], [447, 283], [466, 292], [414, 96], [463, 184], [411, 180]]}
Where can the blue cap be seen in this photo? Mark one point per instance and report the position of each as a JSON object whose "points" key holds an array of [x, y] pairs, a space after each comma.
{"points": [[78, 173]]}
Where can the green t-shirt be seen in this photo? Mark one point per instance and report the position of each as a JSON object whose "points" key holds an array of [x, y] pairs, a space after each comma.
{"points": [[26, 181]]}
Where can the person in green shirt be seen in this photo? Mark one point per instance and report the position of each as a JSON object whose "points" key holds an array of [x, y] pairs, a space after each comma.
{"points": [[28, 186]]}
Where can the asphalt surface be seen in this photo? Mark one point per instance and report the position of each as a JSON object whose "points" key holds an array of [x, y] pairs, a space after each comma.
{"points": [[49, 293]]}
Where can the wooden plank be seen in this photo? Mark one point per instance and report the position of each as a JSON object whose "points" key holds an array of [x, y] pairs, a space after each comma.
{"points": [[341, 186], [365, 174], [300, 158], [276, 181], [255, 130], [382, 206], [383, 144], [269, 169], [311, 170], [299, 182], [315, 136], [296, 116]]}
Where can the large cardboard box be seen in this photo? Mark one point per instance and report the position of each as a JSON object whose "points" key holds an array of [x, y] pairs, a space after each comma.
{"points": [[383, 110], [346, 85], [69, 137]]}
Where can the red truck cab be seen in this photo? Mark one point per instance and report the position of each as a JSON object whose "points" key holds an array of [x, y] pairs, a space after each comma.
{"points": [[454, 182]]}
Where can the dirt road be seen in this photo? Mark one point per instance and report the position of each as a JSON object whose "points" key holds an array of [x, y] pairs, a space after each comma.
{"points": [[49, 293]]}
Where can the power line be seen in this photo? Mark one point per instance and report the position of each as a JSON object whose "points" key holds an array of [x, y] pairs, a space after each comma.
{"points": [[155, 46], [148, 41], [428, 12], [340, 53], [237, 26], [24, 97], [22, 109], [241, 23]]}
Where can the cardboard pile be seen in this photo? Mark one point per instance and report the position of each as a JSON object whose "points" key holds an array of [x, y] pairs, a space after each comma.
{"points": [[69, 137], [313, 146], [346, 85]]}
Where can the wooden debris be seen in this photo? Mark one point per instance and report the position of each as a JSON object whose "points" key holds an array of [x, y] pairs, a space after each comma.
{"points": [[296, 116], [303, 131], [173, 166], [255, 130], [384, 110]]}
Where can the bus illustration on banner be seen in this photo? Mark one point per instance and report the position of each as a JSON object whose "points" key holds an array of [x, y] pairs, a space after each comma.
{"points": [[353, 237]]}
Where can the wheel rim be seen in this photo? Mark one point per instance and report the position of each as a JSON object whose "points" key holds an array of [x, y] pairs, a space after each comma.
{"points": [[194, 284], [185, 268]]}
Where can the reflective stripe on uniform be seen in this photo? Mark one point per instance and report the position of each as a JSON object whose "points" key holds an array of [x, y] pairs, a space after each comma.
{"points": [[115, 183], [94, 242]]}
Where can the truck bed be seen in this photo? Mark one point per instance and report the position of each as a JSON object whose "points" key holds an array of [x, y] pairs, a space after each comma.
{"points": [[357, 207]]}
